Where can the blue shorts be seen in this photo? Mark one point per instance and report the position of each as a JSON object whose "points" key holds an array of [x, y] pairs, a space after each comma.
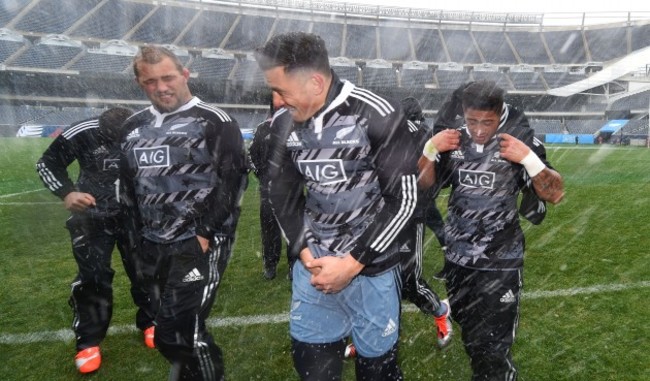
{"points": [[368, 309]]}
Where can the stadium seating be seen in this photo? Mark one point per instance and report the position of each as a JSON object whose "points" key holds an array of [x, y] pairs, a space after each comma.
{"points": [[566, 47], [53, 16], [283, 25], [208, 30], [605, 44], [640, 37], [52, 51], [11, 43], [460, 46], [636, 127], [113, 20], [559, 75], [547, 126], [529, 47], [637, 102], [428, 45], [10, 9], [95, 40], [361, 42], [378, 74], [416, 74], [332, 34], [394, 43], [249, 33], [115, 56], [247, 75], [490, 72], [345, 68], [213, 63], [494, 47], [584, 126], [451, 75], [174, 19], [526, 78]]}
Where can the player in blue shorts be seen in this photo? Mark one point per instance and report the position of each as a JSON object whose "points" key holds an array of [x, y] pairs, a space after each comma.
{"points": [[343, 185]]}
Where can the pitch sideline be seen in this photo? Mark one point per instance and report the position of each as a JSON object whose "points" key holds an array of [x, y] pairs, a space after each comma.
{"points": [[67, 335], [20, 193]]}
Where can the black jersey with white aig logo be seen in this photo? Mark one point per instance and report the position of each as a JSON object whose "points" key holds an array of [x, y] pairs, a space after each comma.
{"points": [[185, 171], [98, 160], [482, 229], [345, 180]]}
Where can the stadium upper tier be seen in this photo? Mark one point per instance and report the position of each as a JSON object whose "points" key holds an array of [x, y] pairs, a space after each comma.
{"points": [[217, 38]]}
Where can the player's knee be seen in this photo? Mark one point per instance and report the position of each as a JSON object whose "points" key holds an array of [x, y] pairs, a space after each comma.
{"points": [[318, 362], [384, 367]]}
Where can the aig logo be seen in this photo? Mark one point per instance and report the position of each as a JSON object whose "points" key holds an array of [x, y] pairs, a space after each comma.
{"points": [[324, 172], [476, 179], [152, 157]]}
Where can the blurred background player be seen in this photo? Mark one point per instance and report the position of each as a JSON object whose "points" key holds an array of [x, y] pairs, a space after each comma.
{"points": [[259, 152], [411, 240], [184, 174], [487, 162], [96, 225], [427, 202]]}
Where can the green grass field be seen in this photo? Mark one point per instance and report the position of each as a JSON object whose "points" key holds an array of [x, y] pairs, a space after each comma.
{"points": [[584, 313]]}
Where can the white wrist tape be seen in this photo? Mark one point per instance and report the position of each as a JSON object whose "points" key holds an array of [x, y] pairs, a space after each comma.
{"points": [[533, 164], [430, 151]]}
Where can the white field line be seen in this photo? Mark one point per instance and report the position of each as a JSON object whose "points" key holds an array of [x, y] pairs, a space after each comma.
{"points": [[20, 193], [239, 321], [31, 203], [26, 203]]}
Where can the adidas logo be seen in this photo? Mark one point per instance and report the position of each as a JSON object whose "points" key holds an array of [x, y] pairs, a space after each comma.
{"points": [[391, 327], [293, 140], [192, 276], [100, 151], [508, 297], [457, 154], [405, 248]]}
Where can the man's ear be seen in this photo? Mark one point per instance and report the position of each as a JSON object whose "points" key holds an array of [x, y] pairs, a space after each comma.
{"points": [[319, 83]]}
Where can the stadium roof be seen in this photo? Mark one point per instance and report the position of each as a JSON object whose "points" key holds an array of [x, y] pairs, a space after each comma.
{"points": [[619, 69]]}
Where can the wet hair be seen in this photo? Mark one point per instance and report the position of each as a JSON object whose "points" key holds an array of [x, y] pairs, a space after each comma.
{"points": [[294, 51], [152, 54], [412, 109], [483, 95], [111, 122]]}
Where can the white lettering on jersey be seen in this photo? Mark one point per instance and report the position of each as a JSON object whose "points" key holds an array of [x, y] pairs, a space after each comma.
{"points": [[476, 179], [111, 164], [324, 172], [152, 157]]}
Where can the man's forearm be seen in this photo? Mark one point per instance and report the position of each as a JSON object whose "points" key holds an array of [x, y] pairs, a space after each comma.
{"points": [[549, 186]]}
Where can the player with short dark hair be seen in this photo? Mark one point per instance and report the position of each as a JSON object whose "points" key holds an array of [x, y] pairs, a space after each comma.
{"points": [[184, 174], [96, 224], [343, 186], [487, 162]]}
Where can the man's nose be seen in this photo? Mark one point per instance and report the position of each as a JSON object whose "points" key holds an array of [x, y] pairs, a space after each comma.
{"points": [[278, 101]]}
